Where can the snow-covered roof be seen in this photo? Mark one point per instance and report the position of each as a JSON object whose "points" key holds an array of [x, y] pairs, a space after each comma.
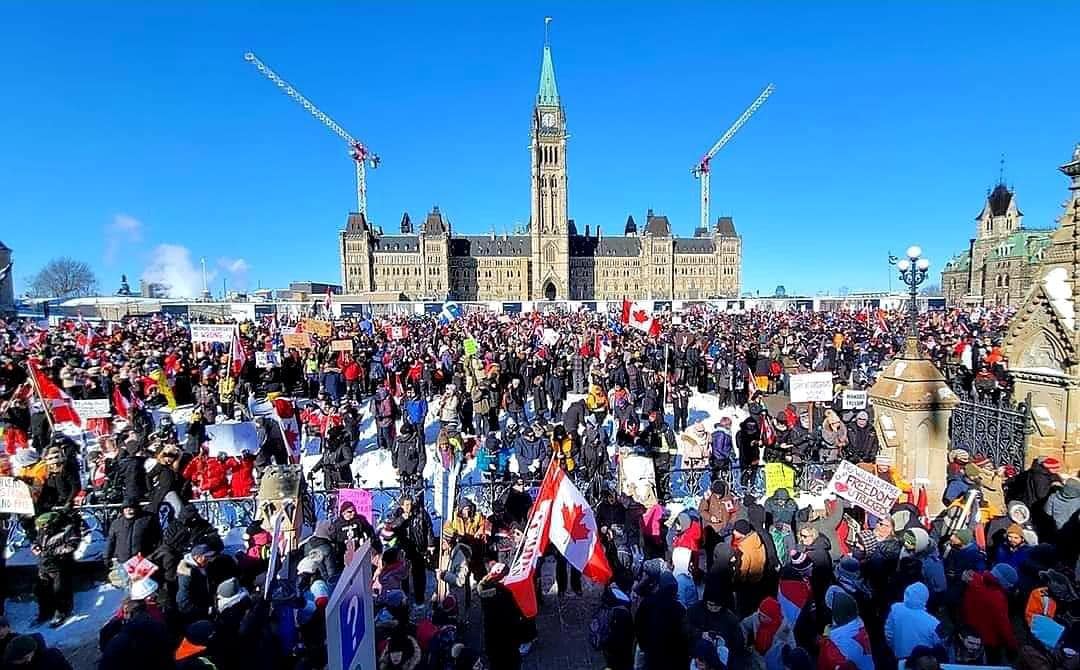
{"points": [[112, 300], [1058, 290]]}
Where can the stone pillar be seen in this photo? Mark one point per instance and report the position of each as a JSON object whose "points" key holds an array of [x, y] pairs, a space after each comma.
{"points": [[912, 408]]}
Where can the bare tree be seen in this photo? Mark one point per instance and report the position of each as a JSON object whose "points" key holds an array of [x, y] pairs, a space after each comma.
{"points": [[63, 278]]}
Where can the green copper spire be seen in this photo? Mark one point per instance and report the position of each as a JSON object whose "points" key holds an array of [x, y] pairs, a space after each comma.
{"points": [[549, 93]]}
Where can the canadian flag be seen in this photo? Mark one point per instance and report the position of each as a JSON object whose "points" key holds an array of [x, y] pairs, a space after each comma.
{"points": [[636, 315], [58, 403], [561, 517], [239, 356], [121, 405]]}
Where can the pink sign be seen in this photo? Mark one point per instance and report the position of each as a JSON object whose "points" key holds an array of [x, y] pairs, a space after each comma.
{"points": [[361, 498]]}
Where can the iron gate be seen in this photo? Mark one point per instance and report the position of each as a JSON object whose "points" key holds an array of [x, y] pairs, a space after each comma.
{"points": [[990, 424]]}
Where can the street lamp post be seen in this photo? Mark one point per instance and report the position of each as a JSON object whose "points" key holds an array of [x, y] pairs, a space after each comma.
{"points": [[912, 273]]}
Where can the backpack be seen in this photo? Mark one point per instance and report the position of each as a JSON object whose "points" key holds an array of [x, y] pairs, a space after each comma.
{"points": [[603, 620]]}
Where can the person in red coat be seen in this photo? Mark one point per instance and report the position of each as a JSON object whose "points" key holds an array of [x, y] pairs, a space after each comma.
{"points": [[241, 473], [985, 609], [208, 475]]}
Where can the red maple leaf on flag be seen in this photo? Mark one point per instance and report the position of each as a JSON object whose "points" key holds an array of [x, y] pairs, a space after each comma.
{"points": [[574, 520], [641, 316]]}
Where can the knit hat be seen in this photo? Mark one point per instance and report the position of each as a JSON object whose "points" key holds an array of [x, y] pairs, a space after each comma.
{"points": [[743, 527], [1005, 574], [1051, 464], [983, 461], [800, 561], [719, 487], [844, 608], [848, 568], [19, 648], [964, 535], [884, 458], [1059, 586], [1014, 529], [141, 589], [229, 593], [959, 456], [321, 591], [202, 550]]}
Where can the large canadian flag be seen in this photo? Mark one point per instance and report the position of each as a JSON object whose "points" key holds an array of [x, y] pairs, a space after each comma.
{"points": [[58, 403], [636, 315], [560, 516]]}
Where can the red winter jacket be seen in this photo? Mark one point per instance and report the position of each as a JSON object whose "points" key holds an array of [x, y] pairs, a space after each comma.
{"points": [[207, 475], [986, 609], [242, 476], [351, 371]]}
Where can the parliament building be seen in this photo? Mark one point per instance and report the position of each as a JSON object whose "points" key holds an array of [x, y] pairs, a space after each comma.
{"points": [[553, 259]]}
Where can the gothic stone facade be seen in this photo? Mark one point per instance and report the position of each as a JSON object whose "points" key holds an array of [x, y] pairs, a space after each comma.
{"points": [[553, 260], [1000, 264]]}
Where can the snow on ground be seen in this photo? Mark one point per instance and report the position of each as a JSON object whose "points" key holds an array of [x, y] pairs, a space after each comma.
{"points": [[93, 607]]}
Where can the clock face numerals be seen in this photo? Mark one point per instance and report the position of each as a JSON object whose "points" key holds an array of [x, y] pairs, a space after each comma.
{"points": [[548, 120]]}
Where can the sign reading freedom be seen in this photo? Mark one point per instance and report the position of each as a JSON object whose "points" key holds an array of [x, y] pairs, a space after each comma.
{"points": [[211, 332], [865, 489]]}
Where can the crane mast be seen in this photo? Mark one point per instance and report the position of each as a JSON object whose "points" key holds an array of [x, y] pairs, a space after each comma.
{"points": [[362, 156], [701, 170]]}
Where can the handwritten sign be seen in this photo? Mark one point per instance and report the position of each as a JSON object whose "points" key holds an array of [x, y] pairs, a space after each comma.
{"points": [[812, 387], [779, 476], [361, 498], [341, 345], [267, 359], [211, 332], [319, 328], [471, 347], [855, 399], [15, 497], [297, 341], [865, 489], [92, 409], [396, 332]]}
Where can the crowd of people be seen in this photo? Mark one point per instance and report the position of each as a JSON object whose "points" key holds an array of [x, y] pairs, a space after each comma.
{"points": [[726, 581]]}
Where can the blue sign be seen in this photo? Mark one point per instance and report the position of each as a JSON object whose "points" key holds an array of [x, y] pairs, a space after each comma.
{"points": [[432, 307], [511, 308], [351, 309], [350, 622]]}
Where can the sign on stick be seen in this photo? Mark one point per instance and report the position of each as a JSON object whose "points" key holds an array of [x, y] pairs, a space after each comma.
{"points": [[865, 489]]}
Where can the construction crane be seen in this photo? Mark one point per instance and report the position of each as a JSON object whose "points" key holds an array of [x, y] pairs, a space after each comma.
{"points": [[701, 170], [362, 156]]}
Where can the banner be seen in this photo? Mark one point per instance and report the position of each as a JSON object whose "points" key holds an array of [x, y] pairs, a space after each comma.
{"points": [[211, 332], [361, 498], [812, 387], [342, 345], [15, 497], [865, 489], [319, 328], [93, 409], [855, 399], [396, 332], [779, 476], [297, 341]]}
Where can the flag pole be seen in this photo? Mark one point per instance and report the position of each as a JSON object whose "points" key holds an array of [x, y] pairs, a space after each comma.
{"points": [[34, 384]]}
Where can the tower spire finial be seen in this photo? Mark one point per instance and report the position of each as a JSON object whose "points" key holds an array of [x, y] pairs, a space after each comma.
{"points": [[1001, 169], [548, 93], [547, 31]]}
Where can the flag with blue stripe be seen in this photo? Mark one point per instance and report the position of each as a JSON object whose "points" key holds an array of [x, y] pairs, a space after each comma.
{"points": [[451, 312]]}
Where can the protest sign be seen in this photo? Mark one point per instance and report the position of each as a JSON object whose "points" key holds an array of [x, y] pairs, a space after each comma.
{"points": [[211, 332], [319, 328], [233, 437], [342, 345], [812, 387], [15, 497], [551, 337], [396, 332], [297, 341], [865, 489], [779, 476], [361, 498], [267, 359], [855, 399], [471, 347], [92, 409]]}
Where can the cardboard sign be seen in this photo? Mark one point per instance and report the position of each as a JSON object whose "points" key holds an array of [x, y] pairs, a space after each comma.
{"points": [[471, 347], [812, 387], [297, 341], [267, 359], [359, 497], [15, 497], [865, 489], [855, 399], [211, 332], [342, 345], [551, 337], [92, 409], [396, 332], [779, 476], [319, 328]]}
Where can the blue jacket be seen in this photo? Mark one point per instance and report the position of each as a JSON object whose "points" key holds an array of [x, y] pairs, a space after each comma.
{"points": [[957, 487], [1014, 557], [721, 445], [967, 557], [909, 625], [416, 410]]}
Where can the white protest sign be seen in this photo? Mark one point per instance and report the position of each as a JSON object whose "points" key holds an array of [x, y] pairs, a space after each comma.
{"points": [[267, 359], [232, 437], [855, 399], [92, 409], [211, 332], [812, 387], [865, 489], [15, 497], [551, 337]]}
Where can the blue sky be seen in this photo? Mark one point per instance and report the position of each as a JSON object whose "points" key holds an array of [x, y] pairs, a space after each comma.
{"points": [[128, 126]]}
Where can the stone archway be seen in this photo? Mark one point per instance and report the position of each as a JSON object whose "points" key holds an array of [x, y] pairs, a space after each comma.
{"points": [[549, 290]]}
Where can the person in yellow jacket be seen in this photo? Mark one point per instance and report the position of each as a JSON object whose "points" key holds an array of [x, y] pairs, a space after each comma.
{"points": [[563, 448], [471, 529]]}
